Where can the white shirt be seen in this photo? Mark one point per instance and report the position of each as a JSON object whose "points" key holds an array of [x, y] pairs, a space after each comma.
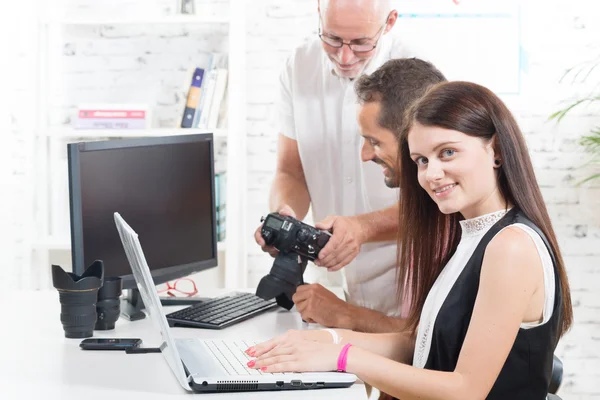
{"points": [[473, 231], [318, 109]]}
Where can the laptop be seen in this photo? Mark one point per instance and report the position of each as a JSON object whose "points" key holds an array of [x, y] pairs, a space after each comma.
{"points": [[212, 365]]}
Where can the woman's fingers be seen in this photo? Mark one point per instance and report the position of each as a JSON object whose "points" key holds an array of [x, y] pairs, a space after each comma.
{"points": [[278, 350], [262, 348], [291, 336], [291, 356], [272, 360]]}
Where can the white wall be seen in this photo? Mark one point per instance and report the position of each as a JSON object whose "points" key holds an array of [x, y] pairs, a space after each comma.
{"points": [[556, 35], [17, 121]]}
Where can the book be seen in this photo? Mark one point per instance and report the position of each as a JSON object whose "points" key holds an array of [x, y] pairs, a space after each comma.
{"points": [[110, 123], [112, 116], [217, 203], [220, 204], [193, 99], [215, 107], [198, 113], [207, 104], [136, 108], [212, 92], [128, 114]]}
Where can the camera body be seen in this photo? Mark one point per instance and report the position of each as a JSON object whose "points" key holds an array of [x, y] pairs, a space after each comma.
{"points": [[288, 235], [297, 242]]}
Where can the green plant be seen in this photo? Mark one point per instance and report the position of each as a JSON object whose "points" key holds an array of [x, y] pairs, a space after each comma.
{"points": [[591, 142]]}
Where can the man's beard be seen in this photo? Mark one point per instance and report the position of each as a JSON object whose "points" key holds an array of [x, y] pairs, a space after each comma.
{"points": [[341, 72], [391, 180]]}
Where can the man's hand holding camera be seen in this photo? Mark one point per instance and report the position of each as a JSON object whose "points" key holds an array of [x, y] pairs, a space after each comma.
{"points": [[318, 305], [344, 244], [300, 242], [342, 248]]}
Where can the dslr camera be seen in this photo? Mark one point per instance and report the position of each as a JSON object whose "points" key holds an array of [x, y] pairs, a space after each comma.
{"points": [[287, 234], [297, 243]]}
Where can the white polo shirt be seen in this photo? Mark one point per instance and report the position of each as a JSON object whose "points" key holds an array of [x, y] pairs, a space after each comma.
{"points": [[318, 109]]}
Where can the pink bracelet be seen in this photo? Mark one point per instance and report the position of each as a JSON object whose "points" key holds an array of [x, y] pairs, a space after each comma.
{"points": [[343, 358]]}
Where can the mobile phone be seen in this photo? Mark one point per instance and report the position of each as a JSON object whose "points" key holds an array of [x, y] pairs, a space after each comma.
{"points": [[110, 344]]}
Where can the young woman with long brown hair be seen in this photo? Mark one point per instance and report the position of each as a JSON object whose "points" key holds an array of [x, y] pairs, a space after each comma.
{"points": [[490, 295]]}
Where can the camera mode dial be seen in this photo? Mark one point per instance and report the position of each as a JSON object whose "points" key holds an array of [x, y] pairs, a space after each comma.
{"points": [[302, 235]]}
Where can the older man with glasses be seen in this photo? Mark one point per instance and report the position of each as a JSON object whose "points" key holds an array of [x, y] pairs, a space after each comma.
{"points": [[319, 166]]}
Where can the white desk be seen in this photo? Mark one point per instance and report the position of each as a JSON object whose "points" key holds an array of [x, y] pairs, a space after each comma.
{"points": [[38, 362]]}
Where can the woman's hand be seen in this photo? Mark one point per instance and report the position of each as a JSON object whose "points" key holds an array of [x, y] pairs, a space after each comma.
{"points": [[296, 351], [289, 337], [299, 356]]}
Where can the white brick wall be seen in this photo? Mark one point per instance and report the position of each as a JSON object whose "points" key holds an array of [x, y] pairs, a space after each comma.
{"points": [[129, 63]]}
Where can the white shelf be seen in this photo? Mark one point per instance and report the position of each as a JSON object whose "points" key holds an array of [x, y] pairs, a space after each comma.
{"points": [[167, 19], [68, 132], [49, 146], [61, 243]]}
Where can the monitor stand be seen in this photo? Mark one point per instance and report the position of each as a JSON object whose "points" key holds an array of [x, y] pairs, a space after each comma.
{"points": [[132, 305]]}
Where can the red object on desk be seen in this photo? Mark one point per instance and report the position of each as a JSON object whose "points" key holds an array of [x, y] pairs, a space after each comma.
{"points": [[179, 287]]}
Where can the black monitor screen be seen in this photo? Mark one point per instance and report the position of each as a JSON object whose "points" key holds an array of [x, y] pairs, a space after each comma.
{"points": [[163, 191]]}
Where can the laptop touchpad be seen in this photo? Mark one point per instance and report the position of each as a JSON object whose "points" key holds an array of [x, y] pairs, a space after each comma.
{"points": [[198, 360]]}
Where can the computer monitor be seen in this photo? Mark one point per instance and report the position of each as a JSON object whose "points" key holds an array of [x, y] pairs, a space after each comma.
{"points": [[164, 187]]}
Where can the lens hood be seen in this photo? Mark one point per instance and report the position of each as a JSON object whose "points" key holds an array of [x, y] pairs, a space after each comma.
{"points": [[78, 296], [91, 278]]}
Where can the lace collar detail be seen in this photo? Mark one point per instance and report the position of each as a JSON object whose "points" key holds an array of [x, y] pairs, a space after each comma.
{"points": [[481, 224]]}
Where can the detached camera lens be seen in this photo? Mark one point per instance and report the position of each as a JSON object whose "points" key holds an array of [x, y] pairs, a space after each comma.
{"points": [[78, 296]]}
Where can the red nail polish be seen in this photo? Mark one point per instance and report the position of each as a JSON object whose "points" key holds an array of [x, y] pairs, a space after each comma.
{"points": [[251, 363], [263, 369]]}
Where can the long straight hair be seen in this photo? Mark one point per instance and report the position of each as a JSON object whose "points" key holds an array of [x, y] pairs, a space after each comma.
{"points": [[428, 238]]}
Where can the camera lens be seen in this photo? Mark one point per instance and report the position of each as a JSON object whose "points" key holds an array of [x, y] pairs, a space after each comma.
{"points": [[108, 307], [78, 296], [281, 282], [78, 313]]}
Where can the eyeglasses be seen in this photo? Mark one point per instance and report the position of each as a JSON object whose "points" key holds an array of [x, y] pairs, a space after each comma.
{"points": [[185, 286], [355, 47]]}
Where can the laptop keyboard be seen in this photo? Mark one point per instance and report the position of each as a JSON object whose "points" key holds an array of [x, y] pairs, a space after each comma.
{"points": [[230, 353], [222, 311]]}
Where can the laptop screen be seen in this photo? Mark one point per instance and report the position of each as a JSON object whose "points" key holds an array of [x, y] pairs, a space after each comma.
{"points": [[145, 285]]}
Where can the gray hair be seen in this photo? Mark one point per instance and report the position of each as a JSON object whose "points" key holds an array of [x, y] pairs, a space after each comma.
{"points": [[382, 7]]}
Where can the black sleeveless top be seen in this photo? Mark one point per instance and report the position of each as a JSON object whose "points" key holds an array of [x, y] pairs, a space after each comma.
{"points": [[528, 368]]}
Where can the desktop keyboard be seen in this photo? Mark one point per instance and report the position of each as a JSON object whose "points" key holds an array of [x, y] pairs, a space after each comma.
{"points": [[221, 312]]}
